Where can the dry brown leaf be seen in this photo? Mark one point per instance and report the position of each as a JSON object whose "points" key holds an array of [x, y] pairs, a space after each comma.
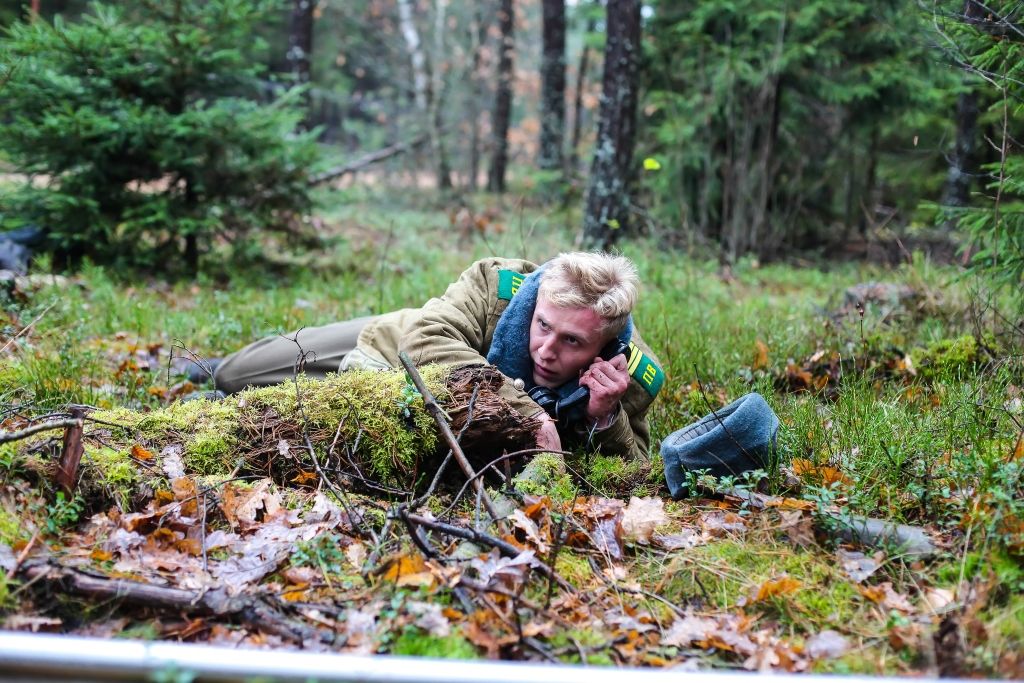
{"points": [[799, 527], [685, 539], [938, 600], [641, 517], [790, 504], [184, 489], [826, 645], [717, 523], [688, 630], [521, 521], [857, 565], [140, 453], [408, 570], [772, 588], [760, 356]]}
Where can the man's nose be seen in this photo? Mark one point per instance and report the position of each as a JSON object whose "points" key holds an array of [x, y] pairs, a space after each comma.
{"points": [[547, 348]]}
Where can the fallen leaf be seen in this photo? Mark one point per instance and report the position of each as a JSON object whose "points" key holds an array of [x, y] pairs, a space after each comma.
{"points": [[641, 517], [790, 504], [856, 565], [826, 645], [685, 539], [718, 523], [798, 526], [688, 630], [760, 356], [356, 555], [530, 531], [140, 453], [409, 570], [884, 595], [783, 585], [938, 600]]}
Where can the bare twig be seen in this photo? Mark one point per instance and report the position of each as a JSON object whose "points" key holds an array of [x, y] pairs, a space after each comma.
{"points": [[504, 547], [28, 327], [255, 611], [446, 431], [6, 437]]}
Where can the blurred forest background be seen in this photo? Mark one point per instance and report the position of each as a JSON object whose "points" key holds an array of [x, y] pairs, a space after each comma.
{"points": [[741, 127]]}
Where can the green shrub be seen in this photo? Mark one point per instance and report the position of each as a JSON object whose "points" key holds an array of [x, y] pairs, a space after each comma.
{"points": [[144, 121]]}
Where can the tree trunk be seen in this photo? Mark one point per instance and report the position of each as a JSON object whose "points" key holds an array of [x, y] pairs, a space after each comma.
{"points": [[437, 93], [503, 99], [552, 88], [961, 163], [607, 205], [300, 49], [577, 104], [426, 84], [478, 34]]}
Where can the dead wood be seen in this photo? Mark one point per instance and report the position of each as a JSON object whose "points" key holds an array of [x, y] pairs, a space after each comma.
{"points": [[368, 159], [71, 454], [254, 611], [504, 547], [446, 431]]}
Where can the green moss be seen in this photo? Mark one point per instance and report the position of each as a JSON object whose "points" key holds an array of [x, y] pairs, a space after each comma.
{"points": [[416, 643], [726, 572], [574, 568], [545, 475], [206, 429], [613, 475], [574, 639], [379, 409], [382, 409], [115, 470], [951, 357], [12, 527]]}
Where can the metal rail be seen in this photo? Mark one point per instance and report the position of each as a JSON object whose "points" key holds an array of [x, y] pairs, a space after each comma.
{"points": [[36, 657]]}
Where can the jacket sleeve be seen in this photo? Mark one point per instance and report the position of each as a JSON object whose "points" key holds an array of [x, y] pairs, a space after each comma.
{"points": [[453, 328], [629, 435]]}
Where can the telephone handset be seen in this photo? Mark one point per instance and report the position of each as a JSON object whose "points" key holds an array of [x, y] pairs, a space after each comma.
{"points": [[572, 408]]}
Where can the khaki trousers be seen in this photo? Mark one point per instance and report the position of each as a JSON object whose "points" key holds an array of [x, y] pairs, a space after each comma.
{"points": [[273, 360]]}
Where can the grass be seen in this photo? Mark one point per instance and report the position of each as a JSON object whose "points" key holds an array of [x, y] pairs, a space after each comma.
{"points": [[938, 446]]}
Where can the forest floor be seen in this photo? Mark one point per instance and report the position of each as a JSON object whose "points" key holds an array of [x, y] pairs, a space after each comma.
{"points": [[900, 401]]}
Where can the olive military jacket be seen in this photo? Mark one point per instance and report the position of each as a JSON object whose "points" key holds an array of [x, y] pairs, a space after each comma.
{"points": [[457, 329]]}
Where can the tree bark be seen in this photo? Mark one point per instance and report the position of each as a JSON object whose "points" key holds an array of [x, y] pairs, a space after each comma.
{"points": [[607, 205], [423, 86], [552, 88], [577, 105], [961, 162], [300, 50], [478, 34], [437, 93], [503, 99]]}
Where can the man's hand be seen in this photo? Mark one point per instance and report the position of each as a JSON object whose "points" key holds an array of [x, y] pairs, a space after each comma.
{"points": [[607, 381], [547, 435]]}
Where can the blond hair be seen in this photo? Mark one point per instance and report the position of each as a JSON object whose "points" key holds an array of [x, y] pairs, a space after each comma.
{"points": [[605, 283]]}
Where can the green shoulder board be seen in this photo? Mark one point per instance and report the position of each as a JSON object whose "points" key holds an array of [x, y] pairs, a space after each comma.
{"points": [[644, 370], [508, 283]]}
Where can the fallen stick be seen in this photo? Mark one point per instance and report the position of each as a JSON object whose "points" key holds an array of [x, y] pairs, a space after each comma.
{"points": [[446, 431], [368, 159], [911, 541], [6, 437], [253, 611], [504, 547]]}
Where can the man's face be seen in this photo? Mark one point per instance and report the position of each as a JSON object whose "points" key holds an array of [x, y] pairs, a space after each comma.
{"points": [[563, 341]]}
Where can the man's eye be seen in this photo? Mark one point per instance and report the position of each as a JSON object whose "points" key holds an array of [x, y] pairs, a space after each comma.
{"points": [[572, 341], [543, 325]]}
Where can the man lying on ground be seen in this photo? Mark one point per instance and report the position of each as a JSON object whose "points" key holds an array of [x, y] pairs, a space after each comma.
{"points": [[545, 327]]}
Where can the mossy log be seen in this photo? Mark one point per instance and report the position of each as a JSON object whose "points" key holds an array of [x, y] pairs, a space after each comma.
{"points": [[368, 430]]}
